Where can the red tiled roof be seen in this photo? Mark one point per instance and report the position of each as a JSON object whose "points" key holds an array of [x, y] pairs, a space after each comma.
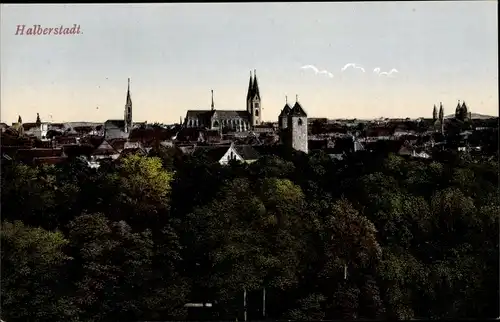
{"points": [[83, 129], [75, 150], [28, 126], [117, 144], [65, 140], [94, 140]]}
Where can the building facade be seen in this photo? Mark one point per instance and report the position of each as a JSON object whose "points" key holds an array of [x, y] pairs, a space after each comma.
{"points": [[231, 120], [293, 127], [114, 129]]}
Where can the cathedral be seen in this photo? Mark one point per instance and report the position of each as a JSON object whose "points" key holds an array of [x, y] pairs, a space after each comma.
{"points": [[121, 128], [232, 120], [462, 113]]}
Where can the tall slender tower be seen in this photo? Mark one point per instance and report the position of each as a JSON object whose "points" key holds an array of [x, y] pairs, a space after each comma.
{"points": [[128, 111], [212, 106], [434, 114], [297, 127], [441, 117], [249, 94], [254, 107]]}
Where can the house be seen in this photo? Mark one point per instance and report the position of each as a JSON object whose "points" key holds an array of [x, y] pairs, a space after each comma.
{"points": [[94, 140], [62, 140], [38, 130], [420, 154], [380, 133], [31, 155], [118, 144], [408, 151], [225, 153], [115, 129], [105, 151], [132, 151], [78, 150]]}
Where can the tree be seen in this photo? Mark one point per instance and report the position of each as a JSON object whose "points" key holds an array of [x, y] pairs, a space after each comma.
{"points": [[33, 266], [116, 272], [140, 191]]}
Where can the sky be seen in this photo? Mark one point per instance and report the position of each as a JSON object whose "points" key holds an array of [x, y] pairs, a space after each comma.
{"points": [[175, 54]]}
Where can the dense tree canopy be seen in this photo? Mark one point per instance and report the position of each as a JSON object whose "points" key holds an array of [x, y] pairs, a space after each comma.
{"points": [[373, 236]]}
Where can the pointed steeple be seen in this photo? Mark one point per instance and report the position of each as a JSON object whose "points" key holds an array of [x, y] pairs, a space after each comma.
{"points": [[212, 100], [464, 107], [129, 99], [297, 109], [434, 113], [250, 87], [441, 112], [38, 121], [286, 109], [19, 119], [128, 111], [256, 91]]}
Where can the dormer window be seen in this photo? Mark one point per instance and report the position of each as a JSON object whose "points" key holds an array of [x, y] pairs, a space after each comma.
{"points": [[299, 122]]}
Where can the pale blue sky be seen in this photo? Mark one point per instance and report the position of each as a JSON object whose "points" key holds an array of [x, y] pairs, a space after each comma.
{"points": [[176, 53]]}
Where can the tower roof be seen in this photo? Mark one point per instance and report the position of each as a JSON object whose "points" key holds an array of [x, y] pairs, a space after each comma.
{"points": [[297, 110], [286, 110], [129, 99], [256, 91], [250, 87]]}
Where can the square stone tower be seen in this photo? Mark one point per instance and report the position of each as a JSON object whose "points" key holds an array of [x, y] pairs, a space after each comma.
{"points": [[297, 128]]}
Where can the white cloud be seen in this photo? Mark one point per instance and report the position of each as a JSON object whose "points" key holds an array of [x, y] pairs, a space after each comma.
{"points": [[353, 65], [313, 68], [317, 71], [327, 73], [389, 73]]}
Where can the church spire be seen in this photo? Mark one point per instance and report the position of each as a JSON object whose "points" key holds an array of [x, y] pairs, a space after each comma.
{"points": [[212, 100], [128, 110], [250, 87], [434, 113], [38, 121], [19, 119], [256, 91], [129, 99]]}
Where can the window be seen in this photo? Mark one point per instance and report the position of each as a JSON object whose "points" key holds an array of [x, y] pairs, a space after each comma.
{"points": [[256, 112], [256, 105], [216, 124], [232, 157], [299, 121]]}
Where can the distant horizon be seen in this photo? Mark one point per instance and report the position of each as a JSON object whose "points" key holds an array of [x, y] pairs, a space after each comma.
{"points": [[264, 121], [356, 60]]}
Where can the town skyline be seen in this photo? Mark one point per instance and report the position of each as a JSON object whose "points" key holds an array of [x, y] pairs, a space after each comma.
{"points": [[175, 54]]}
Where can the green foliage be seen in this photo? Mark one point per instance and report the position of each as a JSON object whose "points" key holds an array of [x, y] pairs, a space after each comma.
{"points": [[33, 262], [375, 236]]}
